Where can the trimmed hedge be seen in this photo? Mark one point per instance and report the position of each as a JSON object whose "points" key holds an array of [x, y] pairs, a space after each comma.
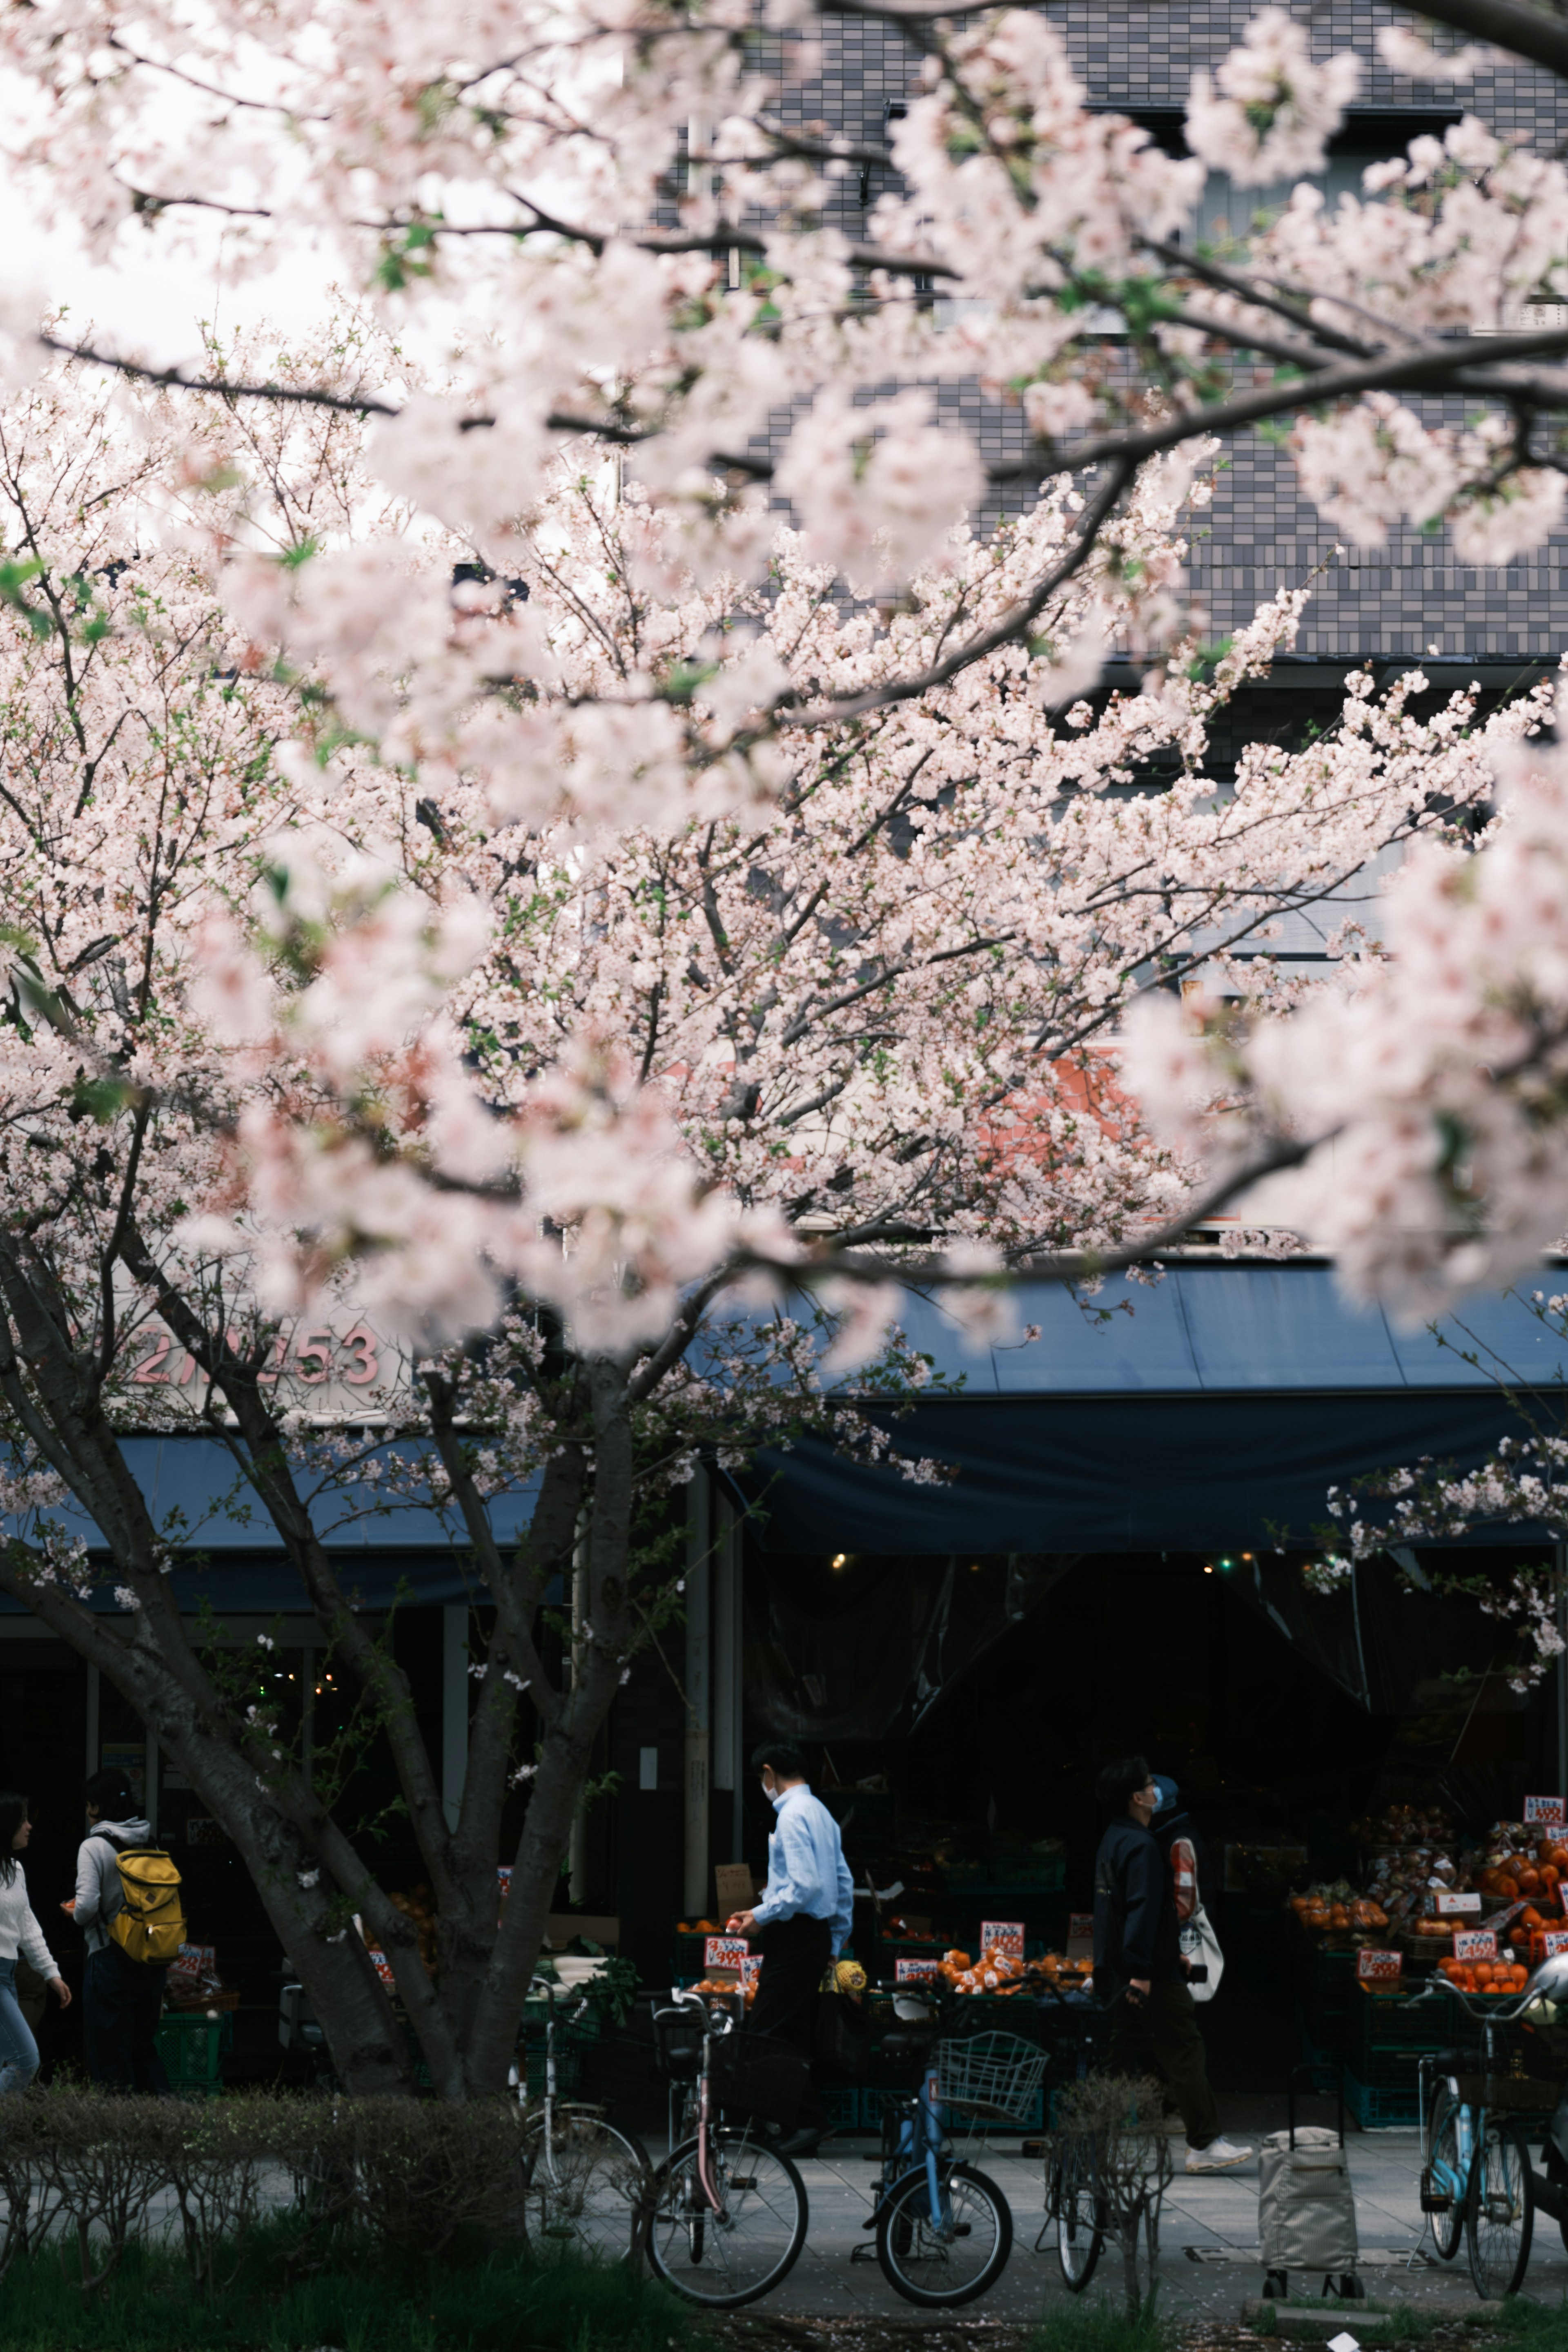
{"points": [[86, 2167]]}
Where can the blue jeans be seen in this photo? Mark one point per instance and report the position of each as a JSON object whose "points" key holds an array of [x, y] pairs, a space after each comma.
{"points": [[19, 2051]]}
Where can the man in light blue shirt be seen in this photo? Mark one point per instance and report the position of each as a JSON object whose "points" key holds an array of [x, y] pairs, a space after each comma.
{"points": [[802, 1919]]}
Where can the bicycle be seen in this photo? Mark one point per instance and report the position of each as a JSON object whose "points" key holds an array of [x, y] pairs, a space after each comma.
{"points": [[726, 2214], [585, 2182], [943, 2229], [1072, 2197], [1476, 2175]]}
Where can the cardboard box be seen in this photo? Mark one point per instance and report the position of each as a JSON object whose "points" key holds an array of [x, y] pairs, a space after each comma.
{"points": [[735, 1887], [561, 1927]]}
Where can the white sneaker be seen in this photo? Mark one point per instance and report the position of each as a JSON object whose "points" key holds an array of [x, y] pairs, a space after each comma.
{"points": [[1219, 2156]]}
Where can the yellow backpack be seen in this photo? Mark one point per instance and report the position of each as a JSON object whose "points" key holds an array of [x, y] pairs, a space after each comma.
{"points": [[149, 1925]]}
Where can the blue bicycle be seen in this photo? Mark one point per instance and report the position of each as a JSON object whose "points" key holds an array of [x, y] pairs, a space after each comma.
{"points": [[944, 2229], [1480, 2111]]}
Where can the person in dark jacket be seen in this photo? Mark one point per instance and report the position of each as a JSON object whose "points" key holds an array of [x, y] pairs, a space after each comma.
{"points": [[1137, 1953]]}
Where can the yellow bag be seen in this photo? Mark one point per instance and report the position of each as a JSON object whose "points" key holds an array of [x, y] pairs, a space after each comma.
{"points": [[149, 1925]]}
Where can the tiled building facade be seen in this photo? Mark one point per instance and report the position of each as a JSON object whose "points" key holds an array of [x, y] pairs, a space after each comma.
{"points": [[1401, 600]]}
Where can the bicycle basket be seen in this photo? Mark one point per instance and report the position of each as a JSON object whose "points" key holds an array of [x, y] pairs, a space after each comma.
{"points": [[997, 2074], [678, 2045], [757, 2075]]}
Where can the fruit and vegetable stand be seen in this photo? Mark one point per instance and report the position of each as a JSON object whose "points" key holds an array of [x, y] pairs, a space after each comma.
{"points": [[1452, 1916]]}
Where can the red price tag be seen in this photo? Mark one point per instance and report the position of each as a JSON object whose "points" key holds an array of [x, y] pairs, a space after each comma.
{"points": [[1555, 1940], [1475, 1944], [1449, 1905], [1547, 1813], [916, 1971], [750, 1971], [1374, 1967], [726, 1952], [1004, 1936]]}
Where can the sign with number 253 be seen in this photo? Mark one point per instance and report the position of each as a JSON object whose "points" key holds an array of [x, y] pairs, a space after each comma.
{"points": [[332, 1374]]}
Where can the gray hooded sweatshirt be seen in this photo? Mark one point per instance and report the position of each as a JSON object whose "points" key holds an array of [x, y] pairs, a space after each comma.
{"points": [[98, 1892]]}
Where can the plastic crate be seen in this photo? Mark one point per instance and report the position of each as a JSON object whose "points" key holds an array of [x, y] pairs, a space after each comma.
{"points": [[192, 2050], [1327, 2030], [1387, 2034], [961, 2124], [1383, 2107], [844, 2105], [572, 2045]]}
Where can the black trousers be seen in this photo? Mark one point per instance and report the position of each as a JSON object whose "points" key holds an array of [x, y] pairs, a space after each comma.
{"points": [[1162, 2037], [795, 1954], [124, 1999]]}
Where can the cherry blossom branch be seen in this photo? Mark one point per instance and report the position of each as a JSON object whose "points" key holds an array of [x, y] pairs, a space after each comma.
{"points": [[1006, 631], [1430, 369]]}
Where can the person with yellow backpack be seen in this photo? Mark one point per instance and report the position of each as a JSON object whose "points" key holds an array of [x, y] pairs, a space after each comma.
{"points": [[128, 1906]]}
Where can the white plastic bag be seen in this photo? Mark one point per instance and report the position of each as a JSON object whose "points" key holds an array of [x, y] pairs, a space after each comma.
{"points": [[1200, 1945]]}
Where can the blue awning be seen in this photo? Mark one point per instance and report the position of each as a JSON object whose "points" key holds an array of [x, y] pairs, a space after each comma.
{"points": [[1214, 1410], [380, 1549], [1204, 1330], [1211, 1409]]}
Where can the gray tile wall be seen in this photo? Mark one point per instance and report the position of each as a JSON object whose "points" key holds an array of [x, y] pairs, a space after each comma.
{"points": [[1259, 533]]}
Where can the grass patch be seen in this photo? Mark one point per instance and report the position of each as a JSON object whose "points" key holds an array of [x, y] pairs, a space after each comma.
{"points": [[1105, 2327], [1543, 2327], [1407, 2322], [368, 2297]]}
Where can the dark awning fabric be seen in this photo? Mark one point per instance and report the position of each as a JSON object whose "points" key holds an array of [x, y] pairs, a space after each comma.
{"points": [[1212, 1409], [1114, 1474], [380, 1549]]}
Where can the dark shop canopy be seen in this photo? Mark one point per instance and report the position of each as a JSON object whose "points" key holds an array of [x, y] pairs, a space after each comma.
{"points": [[382, 1549], [1213, 1409]]}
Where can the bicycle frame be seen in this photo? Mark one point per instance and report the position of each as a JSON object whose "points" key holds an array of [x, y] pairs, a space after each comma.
{"points": [[712, 2030], [1470, 2124], [544, 1988], [923, 2138]]}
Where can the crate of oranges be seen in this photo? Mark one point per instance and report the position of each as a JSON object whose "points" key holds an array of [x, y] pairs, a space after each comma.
{"points": [[1499, 1977], [1535, 1874]]}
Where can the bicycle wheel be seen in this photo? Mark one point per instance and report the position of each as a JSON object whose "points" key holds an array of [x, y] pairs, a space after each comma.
{"points": [[729, 2257], [585, 2187], [1441, 2173], [952, 2260], [1080, 2218], [1499, 2213]]}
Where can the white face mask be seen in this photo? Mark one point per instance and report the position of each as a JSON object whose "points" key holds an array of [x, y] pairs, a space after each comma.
{"points": [[775, 1797]]}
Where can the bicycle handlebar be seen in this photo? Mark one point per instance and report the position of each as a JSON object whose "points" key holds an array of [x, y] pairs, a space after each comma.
{"points": [[551, 1990], [688, 1997]]}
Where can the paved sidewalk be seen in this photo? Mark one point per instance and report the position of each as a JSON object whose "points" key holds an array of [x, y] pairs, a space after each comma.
{"points": [[1208, 2240]]}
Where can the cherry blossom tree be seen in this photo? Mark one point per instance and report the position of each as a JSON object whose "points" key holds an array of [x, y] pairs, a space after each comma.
{"points": [[614, 935], [633, 261], [341, 1019]]}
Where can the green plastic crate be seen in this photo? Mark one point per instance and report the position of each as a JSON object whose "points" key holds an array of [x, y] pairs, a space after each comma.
{"points": [[192, 2050], [843, 2101], [1378, 2107]]}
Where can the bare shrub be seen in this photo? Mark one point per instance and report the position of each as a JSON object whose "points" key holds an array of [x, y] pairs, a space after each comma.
{"points": [[1115, 2123], [410, 2171]]}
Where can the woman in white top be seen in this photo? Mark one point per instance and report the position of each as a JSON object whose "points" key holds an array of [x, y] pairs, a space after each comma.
{"points": [[19, 1932]]}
